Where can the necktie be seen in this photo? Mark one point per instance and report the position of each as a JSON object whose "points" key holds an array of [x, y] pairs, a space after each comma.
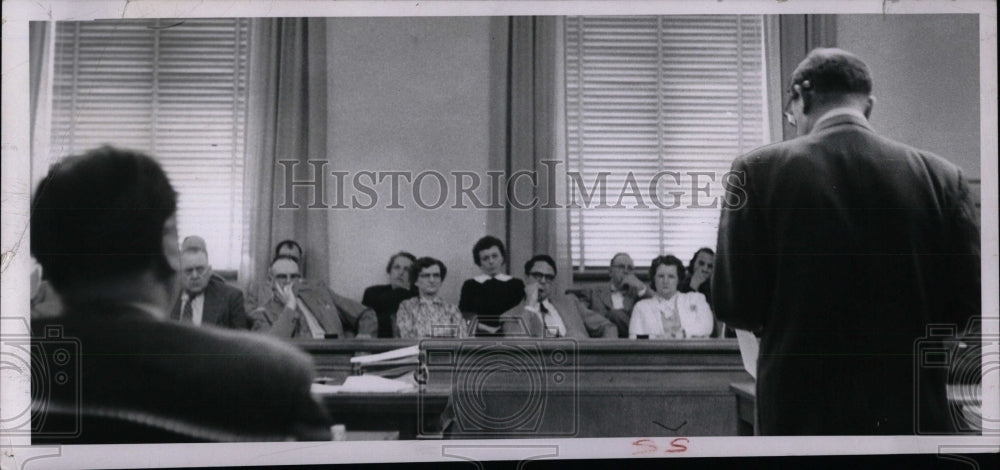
{"points": [[187, 313], [553, 332]]}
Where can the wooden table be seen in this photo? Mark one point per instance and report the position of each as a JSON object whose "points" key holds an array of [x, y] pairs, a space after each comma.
{"points": [[402, 412]]}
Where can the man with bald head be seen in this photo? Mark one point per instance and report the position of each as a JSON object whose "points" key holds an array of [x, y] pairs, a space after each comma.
{"points": [[206, 298], [839, 248], [615, 299]]}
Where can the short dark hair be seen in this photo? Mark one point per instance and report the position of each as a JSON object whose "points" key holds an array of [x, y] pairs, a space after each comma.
{"points": [[100, 216], [298, 263], [424, 263], [288, 242], [544, 258], [486, 243], [831, 71], [404, 254], [668, 260], [694, 258]]}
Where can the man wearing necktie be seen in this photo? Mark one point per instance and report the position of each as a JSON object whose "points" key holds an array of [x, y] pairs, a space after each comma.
{"points": [[542, 315], [301, 310], [205, 298]]}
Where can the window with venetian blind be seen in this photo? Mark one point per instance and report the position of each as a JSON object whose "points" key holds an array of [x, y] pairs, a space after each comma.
{"points": [[175, 89], [652, 95]]}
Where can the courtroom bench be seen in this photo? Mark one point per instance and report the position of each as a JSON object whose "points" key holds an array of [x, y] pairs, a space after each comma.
{"points": [[565, 388]]}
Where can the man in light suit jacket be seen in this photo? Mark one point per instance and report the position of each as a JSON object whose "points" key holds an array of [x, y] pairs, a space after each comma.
{"points": [[300, 309], [840, 247], [616, 299], [542, 316], [206, 298]]}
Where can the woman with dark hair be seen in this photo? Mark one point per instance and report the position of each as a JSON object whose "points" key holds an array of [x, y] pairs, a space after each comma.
{"points": [[428, 315], [385, 298], [490, 294], [698, 277], [670, 314]]}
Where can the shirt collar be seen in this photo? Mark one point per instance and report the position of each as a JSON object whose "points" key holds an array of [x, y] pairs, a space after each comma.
{"points": [[841, 111], [434, 301], [486, 277]]}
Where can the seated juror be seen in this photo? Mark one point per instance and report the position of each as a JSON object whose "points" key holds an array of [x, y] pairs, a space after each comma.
{"points": [[542, 315], [485, 297], [428, 315], [205, 298], [670, 314], [259, 292], [616, 299], [300, 309], [103, 227], [385, 299]]}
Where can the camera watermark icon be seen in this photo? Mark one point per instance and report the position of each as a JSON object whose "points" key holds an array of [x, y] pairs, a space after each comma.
{"points": [[502, 387], [964, 357], [53, 361]]}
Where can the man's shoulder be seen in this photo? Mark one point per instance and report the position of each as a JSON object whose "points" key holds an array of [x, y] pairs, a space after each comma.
{"points": [[602, 290], [515, 311], [223, 287]]}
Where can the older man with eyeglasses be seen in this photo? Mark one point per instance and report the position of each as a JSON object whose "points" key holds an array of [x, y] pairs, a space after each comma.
{"points": [[206, 298], [544, 315], [616, 299], [300, 309]]}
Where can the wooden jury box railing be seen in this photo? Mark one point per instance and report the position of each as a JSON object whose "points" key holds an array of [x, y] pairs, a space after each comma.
{"points": [[558, 387]]}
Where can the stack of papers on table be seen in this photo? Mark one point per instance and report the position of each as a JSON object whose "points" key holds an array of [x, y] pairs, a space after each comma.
{"points": [[396, 363], [365, 384]]}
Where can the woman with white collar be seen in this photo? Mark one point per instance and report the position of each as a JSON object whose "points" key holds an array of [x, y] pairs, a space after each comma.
{"points": [[485, 297], [670, 314]]}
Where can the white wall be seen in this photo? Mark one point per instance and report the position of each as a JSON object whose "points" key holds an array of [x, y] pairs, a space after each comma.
{"points": [[926, 74], [406, 94]]}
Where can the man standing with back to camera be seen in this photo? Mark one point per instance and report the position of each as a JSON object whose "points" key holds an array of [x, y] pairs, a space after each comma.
{"points": [[103, 227], [841, 247]]}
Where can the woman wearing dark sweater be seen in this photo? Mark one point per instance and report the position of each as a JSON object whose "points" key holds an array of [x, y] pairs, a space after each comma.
{"points": [[488, 295], [385, 299]]}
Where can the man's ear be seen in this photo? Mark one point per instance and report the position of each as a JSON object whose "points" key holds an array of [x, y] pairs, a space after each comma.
{"points": [[869, 106], [171, 247]]}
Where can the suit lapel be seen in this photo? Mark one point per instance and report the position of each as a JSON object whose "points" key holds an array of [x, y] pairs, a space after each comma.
{"points": [[323, 311], [175, 311], [570, 317], [210, 308], [606, 299]]}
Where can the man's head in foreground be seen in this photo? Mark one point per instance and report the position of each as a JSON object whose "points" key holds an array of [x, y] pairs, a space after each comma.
{"points": [[103, 227], [828, 78]]}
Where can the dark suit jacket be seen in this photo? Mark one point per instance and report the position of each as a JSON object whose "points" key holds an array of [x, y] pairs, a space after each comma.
{"points": [[205, 384], [336, 314], [223, 306], [581, 322], [848, 246], [600, 301]]}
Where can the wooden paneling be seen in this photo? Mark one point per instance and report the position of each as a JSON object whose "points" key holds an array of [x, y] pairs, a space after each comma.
{"points": [[564, 388]]}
